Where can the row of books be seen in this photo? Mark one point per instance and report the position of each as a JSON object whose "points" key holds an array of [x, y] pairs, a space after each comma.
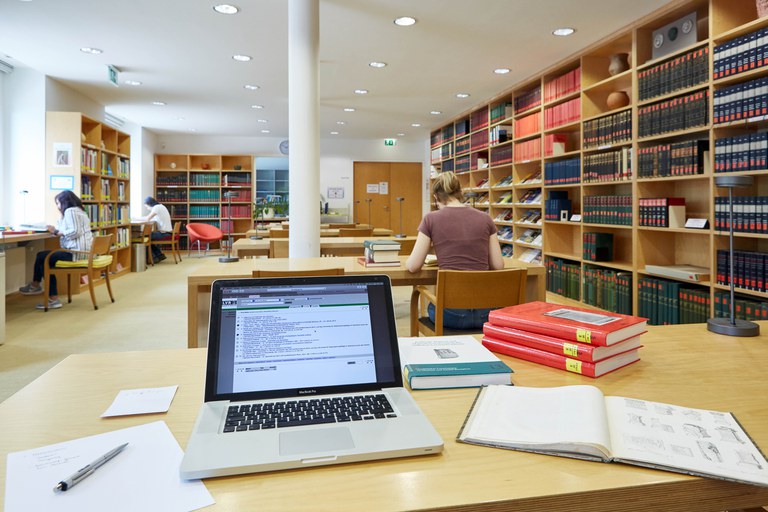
{"points": [[527, 125], [750, 214], [557, 206], [530, 237], [203, 211], [563, 85], [204, 195], [478, 119], [89, 160], [676, 114], [597, 246], [678, 159], [506, 233], [608, 166], [103, 214], [615, 210], [562, 171], [442, 135], [506, 181], [749, 268], [527, 150], [528, 100], [237, 211], [608, 289], [661, 212], [462, 163], [666, 302], [171, 195], [578, 340], [499, 134], [123, 167], [741, 101], [682, 72], [743, 309], [441, 153], [608, 130], [171, 180], [747, 152], [531, 255], [532, 196], [461, 127], [232, 179], [555, 144], [741, 54], [501, 111], [563, 277], [197, 179], [507, 251], [177, 210], [501, 155], [478, 140], [564, 113], [507, 215], [122, 237], [381, 253]]}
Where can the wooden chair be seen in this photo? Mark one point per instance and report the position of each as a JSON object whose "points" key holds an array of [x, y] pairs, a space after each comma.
{"points": [[466, 289], [355, 231], [94, 267], [278, 248], [300, 273], [146, 239], [172, 242], [406, 246], [279, 233]]}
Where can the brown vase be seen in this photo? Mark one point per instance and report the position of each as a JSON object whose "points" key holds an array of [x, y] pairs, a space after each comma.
{"points": [[619, 62], [617, 99]]}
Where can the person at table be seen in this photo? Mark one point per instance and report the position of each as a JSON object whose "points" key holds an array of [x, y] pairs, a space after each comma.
{"points": [[158, 214], [463, 239], [74, 232]]}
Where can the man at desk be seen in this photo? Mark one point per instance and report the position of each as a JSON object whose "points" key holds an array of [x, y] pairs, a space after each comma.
{"points": [[158, 214]]}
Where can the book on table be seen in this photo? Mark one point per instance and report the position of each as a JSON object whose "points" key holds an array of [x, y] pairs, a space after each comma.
{"points": [[569, 323], [580, 422], [368, 263], [381, 256], [382, 245], [435, 362]]}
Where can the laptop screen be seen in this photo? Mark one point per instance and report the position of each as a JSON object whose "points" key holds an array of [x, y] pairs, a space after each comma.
{"points": [[281, 337]]}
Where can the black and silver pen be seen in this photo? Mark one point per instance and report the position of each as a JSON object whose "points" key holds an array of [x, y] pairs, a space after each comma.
{"points": [[86, 471]]}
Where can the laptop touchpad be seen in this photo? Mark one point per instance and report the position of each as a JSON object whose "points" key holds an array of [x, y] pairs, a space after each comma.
{"points": [[322, 440]]}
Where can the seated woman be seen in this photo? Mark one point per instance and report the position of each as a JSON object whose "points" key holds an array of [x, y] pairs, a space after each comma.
{"points": [[74, 232], [158, 214], [463, 239]]}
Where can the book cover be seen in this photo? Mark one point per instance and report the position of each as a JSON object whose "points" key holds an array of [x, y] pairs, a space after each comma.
{"points": [[573, 349], [365, 262], [437, 362], [627, 430], [382, 245], [381, 256], [685, 272], [569, 322], [561, 362]]}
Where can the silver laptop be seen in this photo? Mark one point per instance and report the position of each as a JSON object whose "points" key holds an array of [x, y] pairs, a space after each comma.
{"points": [[303, 372]]}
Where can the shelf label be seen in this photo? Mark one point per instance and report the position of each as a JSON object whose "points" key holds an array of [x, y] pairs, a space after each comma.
{"points": [[572, 365], [584, 335], [570, 349]]}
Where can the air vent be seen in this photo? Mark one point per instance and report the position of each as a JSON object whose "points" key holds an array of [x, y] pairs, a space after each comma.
{"points": [[113, 120], [5, 67]]}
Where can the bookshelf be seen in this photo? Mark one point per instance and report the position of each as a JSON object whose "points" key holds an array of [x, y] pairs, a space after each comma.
{"points": [[94, 158], [597, 143], [192, 187]]}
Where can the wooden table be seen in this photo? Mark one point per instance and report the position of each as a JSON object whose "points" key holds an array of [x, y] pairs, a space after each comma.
{"points": [[199, 281], [245, 247], [324, 232], [683, 364]]}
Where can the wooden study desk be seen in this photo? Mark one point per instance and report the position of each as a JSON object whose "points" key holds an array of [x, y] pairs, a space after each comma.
{"points": [[246, 247], [199, 281], [685, 365], [324, 232]]}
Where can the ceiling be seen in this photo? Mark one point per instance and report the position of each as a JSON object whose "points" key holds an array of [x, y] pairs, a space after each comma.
{"points": [[181, 51]]}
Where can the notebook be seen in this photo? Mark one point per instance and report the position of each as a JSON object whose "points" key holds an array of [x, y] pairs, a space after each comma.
{"points": [[278, 347]]}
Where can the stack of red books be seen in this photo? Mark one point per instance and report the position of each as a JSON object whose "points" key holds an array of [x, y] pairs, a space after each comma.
{"points": [[578, 340]]}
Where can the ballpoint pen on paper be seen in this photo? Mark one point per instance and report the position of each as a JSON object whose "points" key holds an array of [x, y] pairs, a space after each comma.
{"points": [[86, 471]]}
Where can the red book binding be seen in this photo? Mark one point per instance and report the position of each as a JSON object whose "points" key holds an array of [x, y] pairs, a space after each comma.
{"points": [[593, 370], [569, 323], [558, 346]]}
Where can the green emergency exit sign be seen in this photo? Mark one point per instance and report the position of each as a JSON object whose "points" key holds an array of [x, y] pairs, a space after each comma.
{"points": [[390, 142]]}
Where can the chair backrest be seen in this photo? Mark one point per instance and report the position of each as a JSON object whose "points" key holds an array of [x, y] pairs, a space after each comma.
{"points": [[301, 273], [355, 231], [101, 245], [278, 248], [199, 230], [279, 233], [176, 233], [146, 231], [481, 289]]}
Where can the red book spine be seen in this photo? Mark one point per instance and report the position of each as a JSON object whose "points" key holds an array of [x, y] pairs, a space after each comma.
{"points": [[580, 351], [540, 357]]}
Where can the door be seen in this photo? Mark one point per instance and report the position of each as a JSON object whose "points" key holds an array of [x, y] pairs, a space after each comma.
{"points": [[377, 187]]}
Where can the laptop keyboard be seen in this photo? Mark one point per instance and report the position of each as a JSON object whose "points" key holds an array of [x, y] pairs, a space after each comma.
{"points": [[311, 411]]}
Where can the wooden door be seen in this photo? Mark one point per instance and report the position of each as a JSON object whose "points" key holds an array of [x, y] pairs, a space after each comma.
{"points": [[378, 185]]}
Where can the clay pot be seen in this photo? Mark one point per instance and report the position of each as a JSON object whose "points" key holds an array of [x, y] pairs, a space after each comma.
{"points": [[619, 62], [617, 99]]}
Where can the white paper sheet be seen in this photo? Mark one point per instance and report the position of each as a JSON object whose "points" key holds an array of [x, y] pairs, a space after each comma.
{"points": [[141, 401], [145, 476]]}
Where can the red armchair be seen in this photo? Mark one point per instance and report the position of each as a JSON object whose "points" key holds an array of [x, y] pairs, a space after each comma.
{"points": [[199, 232]]}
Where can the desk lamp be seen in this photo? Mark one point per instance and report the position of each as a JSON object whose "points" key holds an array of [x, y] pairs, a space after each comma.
{"points": [[356, 203], [229, 258], [472, 196], [732, 326], [401, 234]]}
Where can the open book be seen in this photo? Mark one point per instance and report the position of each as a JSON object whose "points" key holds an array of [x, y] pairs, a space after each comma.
{"points": [[579, 422]]}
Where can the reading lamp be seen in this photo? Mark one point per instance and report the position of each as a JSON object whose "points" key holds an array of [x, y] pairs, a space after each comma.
{"points": [[229, 258], [369, 201], [356, 203], [472, 196], [401, 234], [732, 326]]}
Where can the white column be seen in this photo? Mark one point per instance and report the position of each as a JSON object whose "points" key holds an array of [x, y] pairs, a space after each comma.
{"points": [[303, 127]]}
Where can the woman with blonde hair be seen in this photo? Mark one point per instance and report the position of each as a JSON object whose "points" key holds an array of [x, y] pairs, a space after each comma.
{"points": [[463, 239]]}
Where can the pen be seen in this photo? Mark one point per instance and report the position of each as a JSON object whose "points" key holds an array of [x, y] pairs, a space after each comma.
{"points": [[86, 471]]}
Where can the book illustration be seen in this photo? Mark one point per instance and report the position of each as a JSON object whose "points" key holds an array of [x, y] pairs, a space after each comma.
{"points": [[635, 419], [710, 451], [692, 414], [636, 404], [582, 316], [695, 430], [656, 423], [663, 409], [682, 450], [748, 459], [728, 434], [645, 443], [445, 353]]}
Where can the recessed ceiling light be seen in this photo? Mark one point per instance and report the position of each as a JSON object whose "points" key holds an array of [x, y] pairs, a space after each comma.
{"points": [[257, 107], [92, 51], [265, 131], [462, 95], [415, 125], [178, 118], [159, 103], [132, 82], [401, 135], [340, 122], [376, 64], [501, 71], [361, 91], [405, 21], [263, 121], [565, 31], [435, 112], [251, 87], [334, 133], [242, 58], [226, 9], [193, 129], [349, 109]]}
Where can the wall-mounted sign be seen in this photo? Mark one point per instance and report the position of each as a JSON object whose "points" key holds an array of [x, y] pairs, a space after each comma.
{"points": [[62, 182], [335, 192], [62, 154], [112, 74], [390, 142], [372, 188], [384, 187]]}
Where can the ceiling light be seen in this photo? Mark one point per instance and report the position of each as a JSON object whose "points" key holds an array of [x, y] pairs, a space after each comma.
{"points": [[361, 91], [501, 71], [405, 21], [159, 103], [334, 133], [462, 95], [226, 9], [435, 112], [349, 109], [258, 107], [566, 31], [193, 129], [92, 51], [178, 118], [415, 125], [401, 135], [265, 131], [340, 122], [262, 121], [375, 64], [132, 82], [251, 87], [242, 58]]}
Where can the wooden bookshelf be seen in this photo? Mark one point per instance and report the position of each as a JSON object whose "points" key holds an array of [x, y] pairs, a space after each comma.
{"points": [[626, 164], [192, 187], [94, 158]]}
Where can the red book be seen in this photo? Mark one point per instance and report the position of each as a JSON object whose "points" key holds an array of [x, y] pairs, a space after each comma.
{"points": [[570, 323], [593, 370], [574, 350]]}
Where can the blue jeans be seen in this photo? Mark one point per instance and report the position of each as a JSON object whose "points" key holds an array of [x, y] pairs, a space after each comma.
{"points": [[460, 318], [157, 253], [40, 268]]}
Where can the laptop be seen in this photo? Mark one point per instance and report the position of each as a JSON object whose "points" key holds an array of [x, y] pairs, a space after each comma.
{"points": [[303, 372]]}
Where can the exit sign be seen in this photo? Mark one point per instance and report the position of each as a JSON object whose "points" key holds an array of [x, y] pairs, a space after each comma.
{"points": [[390, 142], [112, 74]]}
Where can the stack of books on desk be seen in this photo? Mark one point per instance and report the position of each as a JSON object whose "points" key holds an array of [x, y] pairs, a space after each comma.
{"points": [[577, 340], [381, 253]]}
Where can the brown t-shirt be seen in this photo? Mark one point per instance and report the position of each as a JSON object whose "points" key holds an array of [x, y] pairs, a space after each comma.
{"points": [[459, 236]]}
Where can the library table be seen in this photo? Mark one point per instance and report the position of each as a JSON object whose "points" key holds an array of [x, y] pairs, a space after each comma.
{"points": [[199, 281], [681, 364], [246, 247], [324, 232]]}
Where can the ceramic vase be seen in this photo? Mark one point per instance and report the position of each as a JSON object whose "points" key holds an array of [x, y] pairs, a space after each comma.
{"points": [[619, 62], [268, 213], [617, 99]]}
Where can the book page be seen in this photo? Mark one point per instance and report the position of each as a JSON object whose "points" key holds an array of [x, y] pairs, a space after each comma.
{"points": [[695, 441], [569, 419]]}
